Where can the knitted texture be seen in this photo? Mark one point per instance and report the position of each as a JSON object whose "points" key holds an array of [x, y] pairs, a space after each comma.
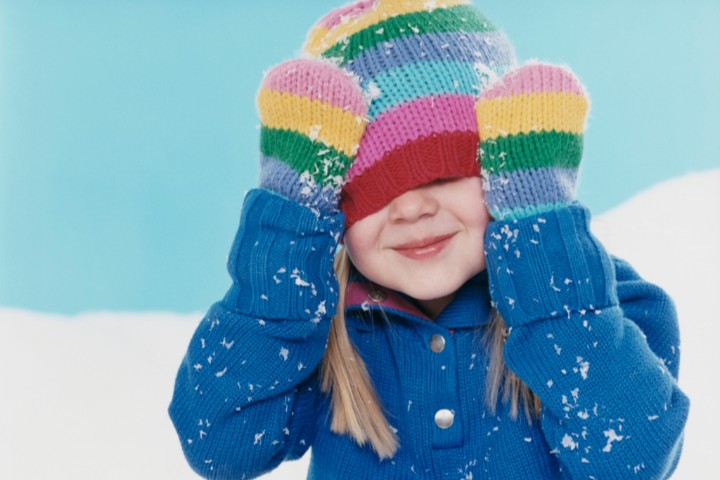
{"points": [[421, 65], [312, 116], [531, 126], [595, 342]]}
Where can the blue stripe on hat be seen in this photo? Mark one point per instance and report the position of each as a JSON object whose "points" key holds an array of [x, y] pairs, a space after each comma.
{"points": [[415, 80], [490, 48]]}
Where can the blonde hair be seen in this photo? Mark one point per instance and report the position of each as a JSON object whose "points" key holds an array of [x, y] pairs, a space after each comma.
{"points": [[500, 378], [356, 407]]}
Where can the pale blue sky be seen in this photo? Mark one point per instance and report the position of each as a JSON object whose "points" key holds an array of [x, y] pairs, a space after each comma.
{"points": [[128, 130]]}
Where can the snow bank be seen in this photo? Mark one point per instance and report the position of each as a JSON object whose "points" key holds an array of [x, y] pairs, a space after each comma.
{"points": [[86, 396], [671, 235]]}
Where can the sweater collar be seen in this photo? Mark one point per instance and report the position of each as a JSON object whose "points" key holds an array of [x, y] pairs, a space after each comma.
{"points": [[469, 308]]}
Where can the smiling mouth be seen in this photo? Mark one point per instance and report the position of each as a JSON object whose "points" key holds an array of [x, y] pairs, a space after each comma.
{"points": [[425, 248]]}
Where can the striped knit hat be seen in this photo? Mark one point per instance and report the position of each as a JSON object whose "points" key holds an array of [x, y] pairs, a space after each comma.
{"points": [[421, 65]]}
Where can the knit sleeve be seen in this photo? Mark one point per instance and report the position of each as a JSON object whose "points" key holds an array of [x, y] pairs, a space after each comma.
{"points": [[597, 344], [246, 391]]}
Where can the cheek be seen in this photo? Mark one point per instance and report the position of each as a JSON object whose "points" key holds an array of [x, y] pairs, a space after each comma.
{"points": [[480, 211], [481, 226], [471, 209], [483, 218], [477, 220], [361, 244]]}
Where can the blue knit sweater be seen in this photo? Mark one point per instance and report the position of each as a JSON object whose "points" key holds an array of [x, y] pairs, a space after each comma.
{"points": [[596, 343]]}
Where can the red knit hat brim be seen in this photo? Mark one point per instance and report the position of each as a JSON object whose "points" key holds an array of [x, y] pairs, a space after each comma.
{"points": [[442, 155]]}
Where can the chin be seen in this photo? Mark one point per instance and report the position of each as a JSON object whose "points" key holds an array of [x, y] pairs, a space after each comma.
{"points": [[439, 285], [432, 291]]}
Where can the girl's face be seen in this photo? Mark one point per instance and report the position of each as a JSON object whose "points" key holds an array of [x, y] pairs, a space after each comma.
{"points": [[425, 243]]}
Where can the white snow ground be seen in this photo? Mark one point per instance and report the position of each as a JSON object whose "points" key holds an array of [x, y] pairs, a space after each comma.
{"points": [[86, 396]]}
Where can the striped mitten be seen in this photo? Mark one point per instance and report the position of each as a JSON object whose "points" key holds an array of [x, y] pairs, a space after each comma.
{"points": [[531, 128], [312, 116]]}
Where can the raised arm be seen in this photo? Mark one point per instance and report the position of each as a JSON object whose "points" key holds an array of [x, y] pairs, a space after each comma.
{"points": [[246, 391], [597, 344]]}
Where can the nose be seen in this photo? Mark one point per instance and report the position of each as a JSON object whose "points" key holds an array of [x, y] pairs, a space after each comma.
{"points": [[413, 205]]}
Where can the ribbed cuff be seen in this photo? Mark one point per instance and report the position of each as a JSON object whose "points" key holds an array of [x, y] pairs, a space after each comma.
{"points": [[452, 154], [547, 265], [281, 261]]}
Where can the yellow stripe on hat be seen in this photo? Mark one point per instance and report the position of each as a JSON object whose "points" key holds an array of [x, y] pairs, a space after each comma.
{"points": [[546, 111], [322, 38], [319, 121]]}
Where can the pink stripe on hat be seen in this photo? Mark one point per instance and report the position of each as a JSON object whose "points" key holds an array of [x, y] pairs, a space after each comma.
{"points": [[409, 122], [338, 16], [325, 83], [541, 79]]}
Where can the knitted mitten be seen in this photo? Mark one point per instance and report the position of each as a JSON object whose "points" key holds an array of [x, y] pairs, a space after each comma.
{"points": [[531, 128], [312, 116]]}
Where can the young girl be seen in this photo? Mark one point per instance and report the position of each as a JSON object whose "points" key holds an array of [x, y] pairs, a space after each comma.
{"points": [[471, 325]]}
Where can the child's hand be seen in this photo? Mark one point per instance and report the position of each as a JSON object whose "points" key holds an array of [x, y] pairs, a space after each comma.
{"points": [[531, 135], [312, 115]]}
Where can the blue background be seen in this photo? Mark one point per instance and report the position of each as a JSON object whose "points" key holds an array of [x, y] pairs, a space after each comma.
{"points": [[128, 129]]}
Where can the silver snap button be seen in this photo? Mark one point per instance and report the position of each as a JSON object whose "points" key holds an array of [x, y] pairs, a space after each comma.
{"points": [[377, 296], [437, 343], [444, 418]]}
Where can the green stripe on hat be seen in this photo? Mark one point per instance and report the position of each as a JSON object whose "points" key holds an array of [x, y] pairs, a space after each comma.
{"points": [[304, 155], [460, 18], [532, 150]]}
